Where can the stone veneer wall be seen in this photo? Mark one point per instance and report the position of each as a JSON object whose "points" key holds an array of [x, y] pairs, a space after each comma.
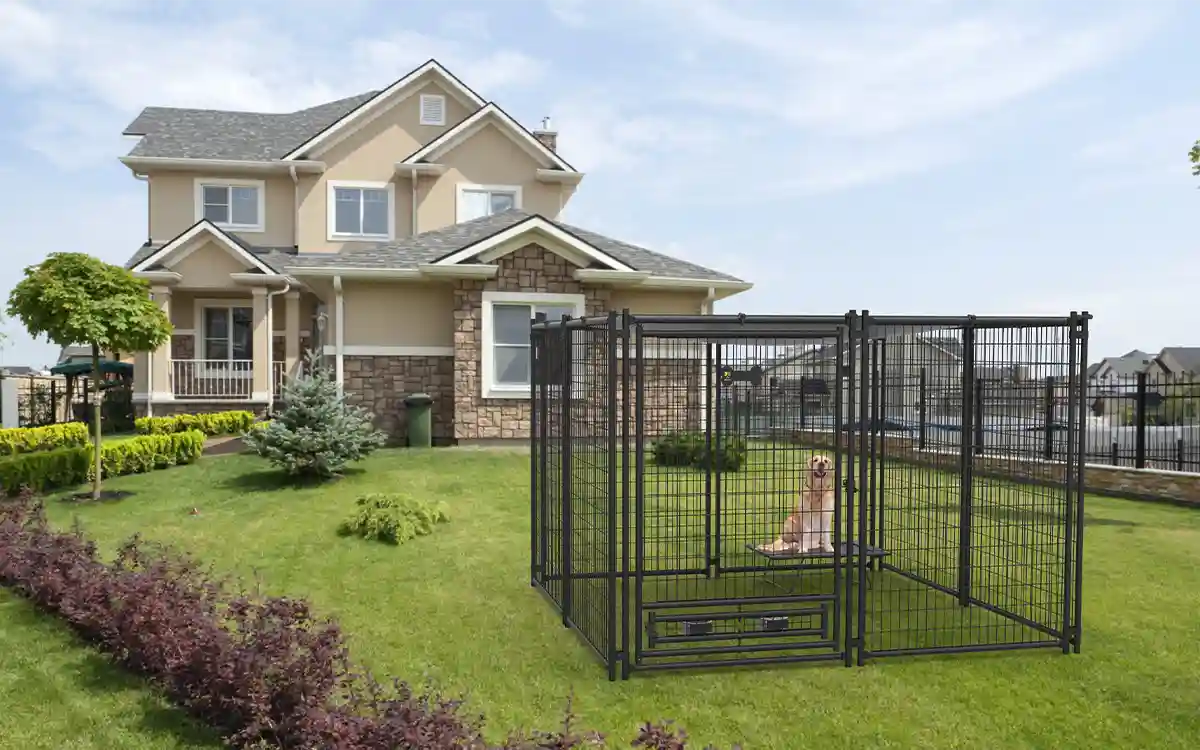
{"points": [[183, 346], [1138, 484], [529, 269], [380, 384]]}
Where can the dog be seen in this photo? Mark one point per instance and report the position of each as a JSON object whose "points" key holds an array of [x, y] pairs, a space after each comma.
{"points": [[810, 528]]}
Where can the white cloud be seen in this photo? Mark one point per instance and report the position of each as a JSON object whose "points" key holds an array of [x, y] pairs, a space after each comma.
{"points": [[127, 60]]}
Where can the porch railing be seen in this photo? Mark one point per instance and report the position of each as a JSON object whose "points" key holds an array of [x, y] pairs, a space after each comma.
{"points": [[278, 376], [212, 378]]}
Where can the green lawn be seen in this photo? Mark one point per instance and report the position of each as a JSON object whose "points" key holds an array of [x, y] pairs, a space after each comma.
{"points": [[457, 606]]}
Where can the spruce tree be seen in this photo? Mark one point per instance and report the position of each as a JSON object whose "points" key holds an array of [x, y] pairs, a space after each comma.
{"points": [[317, 432]]}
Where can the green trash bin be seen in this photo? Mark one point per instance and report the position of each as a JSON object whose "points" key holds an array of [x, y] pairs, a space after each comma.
{"points": [[420, 428]]}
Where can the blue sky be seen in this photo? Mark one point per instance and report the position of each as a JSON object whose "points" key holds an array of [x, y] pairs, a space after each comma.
{"points": [[925, 156]]}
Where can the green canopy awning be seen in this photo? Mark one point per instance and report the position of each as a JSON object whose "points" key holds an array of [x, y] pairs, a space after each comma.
{"points": [[107, 366]]}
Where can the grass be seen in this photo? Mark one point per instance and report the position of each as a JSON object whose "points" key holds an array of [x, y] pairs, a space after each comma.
{"points": [[457, 606]]}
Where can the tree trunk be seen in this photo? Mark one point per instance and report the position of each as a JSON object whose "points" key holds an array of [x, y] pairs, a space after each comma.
{"points": [[96, 419]]}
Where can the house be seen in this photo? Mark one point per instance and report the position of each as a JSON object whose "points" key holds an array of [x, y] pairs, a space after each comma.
{"points": [[1180, 362], [408, 235]]}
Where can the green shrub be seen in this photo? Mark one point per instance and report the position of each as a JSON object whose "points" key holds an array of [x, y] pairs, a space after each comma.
{"points": [[691, 449], [394, 519], [219, 423], [32, 439], [67, 467]]}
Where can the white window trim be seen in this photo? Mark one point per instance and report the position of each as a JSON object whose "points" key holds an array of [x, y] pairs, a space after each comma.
{"points": [[331, 212], [464, 187], [198, 333], [424, 120], [227, 182], [490, 389]]}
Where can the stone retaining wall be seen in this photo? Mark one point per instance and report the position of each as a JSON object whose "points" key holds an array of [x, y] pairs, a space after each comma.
{"points": [[1117, 481]]}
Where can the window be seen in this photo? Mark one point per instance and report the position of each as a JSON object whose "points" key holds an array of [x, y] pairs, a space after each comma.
{"points": [[228, 334], [506, 320], [231, 204], [362, 210], [433, 109], [477, 201]]}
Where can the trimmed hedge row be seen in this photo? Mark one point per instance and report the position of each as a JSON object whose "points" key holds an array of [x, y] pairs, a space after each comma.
{"points": [[219, 423], [263, 671], [16, 440], [67, 467]]}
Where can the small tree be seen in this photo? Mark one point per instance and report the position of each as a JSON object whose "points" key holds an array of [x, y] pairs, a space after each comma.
{"points": [[1194, 155], [73, 298], [316, 433]]}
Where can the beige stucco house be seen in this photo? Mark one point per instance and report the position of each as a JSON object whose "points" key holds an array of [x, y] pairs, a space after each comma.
{"points": [[407, 234]]}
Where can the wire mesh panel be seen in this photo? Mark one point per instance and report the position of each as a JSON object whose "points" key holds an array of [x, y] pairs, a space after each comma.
{"points": [[978, 526], [724, 573]]}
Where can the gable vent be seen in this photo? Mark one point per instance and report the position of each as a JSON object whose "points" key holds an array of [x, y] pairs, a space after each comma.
{"points": [[433, 109]]}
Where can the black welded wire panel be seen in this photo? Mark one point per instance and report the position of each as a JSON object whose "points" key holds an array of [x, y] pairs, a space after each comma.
{"points": [[722, 397], [974, 559], [591, 504]]}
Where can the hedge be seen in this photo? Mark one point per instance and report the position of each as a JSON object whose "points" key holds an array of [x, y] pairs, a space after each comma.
{"points": [[692, 449], [263, 671], [68, 467], [219, 423], [16, 440]]}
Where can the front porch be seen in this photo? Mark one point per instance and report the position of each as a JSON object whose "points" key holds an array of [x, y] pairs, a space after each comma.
{"points": [[229, 349]]}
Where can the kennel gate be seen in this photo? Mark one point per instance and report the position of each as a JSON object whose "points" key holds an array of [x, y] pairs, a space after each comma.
{"points": [[942, 547]]}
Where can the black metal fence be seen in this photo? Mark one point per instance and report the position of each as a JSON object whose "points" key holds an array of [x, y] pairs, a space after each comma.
{"points": [[1138, 421], [43, 401]]}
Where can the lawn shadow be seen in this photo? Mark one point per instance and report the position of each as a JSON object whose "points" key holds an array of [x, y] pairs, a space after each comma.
{"points": [[269, 480], [97, 673]]}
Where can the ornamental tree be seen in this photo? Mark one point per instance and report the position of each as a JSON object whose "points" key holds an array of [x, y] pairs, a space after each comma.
{"points": [[1194, 155], [73, 298]]}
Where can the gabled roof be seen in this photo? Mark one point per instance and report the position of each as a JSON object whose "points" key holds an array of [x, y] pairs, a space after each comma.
{"points": [[170, 132], [179, 133], [534, 223], [490, 112], [1188, 357], [223, 239], [440, 244], [383, 99]]}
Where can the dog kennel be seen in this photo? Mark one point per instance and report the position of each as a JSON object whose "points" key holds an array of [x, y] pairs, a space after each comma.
{"points": [[956, 446]]}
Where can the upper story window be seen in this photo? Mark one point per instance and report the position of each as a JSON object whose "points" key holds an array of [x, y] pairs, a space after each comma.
{"points": [[433, 109], [362, 210], [231, 204], [477, 201]]}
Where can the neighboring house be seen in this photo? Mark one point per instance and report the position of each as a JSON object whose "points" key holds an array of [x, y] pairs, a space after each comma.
{"points": [[19, 371], [408, 234], [1180, 361]]}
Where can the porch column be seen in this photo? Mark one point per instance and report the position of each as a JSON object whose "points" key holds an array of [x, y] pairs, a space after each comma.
{"points": [[291, 344], [160, 359], [261, 346]]}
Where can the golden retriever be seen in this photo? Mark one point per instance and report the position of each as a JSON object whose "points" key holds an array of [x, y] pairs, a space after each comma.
{"points": [[810, 528]]}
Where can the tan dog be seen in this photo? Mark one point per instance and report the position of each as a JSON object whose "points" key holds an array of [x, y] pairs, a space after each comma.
{"points": [[810, 528]]}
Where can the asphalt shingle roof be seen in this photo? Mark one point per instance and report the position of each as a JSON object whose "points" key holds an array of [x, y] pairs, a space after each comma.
{"points": [[217, 134], [410, 252]]}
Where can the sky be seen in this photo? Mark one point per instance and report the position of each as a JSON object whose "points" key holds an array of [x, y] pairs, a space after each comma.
{"points": [[906, 157]]}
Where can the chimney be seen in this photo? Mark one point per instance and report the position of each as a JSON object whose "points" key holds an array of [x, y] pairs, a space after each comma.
{"points": [[548, 137]]}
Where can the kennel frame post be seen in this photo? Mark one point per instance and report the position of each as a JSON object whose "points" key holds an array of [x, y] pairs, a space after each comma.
{"points": [[966, 457], [1078, 458], [874, 431], [639, 442], [865, 465], [710, 395], [625, 541], [881, 454], [1069, 499], [712, 468], [610, 341], [1048, 434], [567, 469], [537, 475], [845, 495]]}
